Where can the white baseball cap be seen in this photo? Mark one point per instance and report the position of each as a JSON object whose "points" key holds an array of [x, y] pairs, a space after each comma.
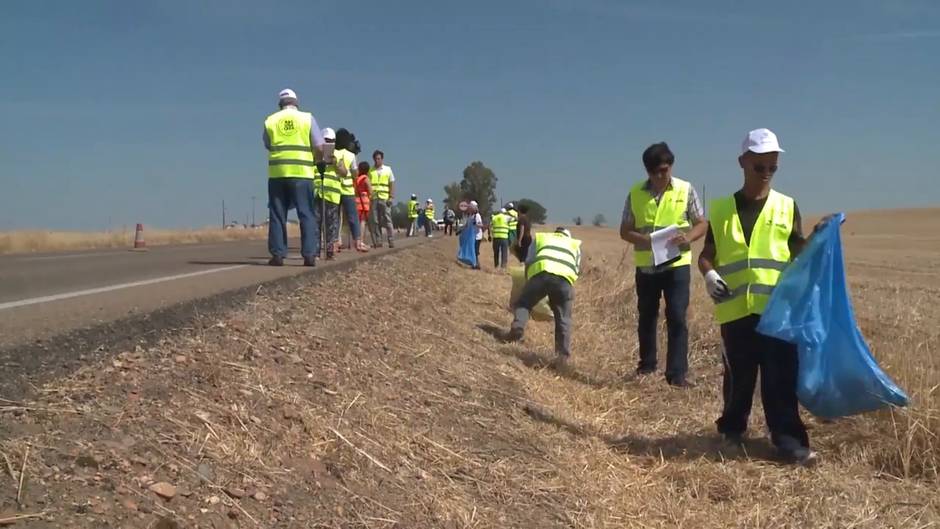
{"points": [[287, 93], [761, 141], [329, 134], [510, 205], [474, 203], [430, 201], [502, 210]]}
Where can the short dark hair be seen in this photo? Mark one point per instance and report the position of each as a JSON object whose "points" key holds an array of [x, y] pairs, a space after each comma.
{"points": [[287, 101], [363, 167], [656, 155], [378, 152]]}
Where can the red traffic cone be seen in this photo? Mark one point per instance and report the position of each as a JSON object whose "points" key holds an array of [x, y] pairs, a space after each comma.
{"points": [[139, 244]]}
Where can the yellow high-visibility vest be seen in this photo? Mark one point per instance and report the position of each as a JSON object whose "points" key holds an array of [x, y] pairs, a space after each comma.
{"points": [[331, 186], [429, 212], [380, 182], [513, 220], [753, 268], [650, 216], [557, 254], [346, 158], [499, 226], [291, 154], [412, 209]]}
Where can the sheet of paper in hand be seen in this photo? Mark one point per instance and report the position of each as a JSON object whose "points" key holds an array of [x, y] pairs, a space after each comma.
{"points": [[663, 250]]}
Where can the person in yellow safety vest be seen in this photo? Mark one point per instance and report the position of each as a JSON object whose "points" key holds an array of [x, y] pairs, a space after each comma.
{"points": [[383, 185], [513, 220], [499, 228], [292, 138], [329, 193], [413, 216], [429, 221], [346, 166], [552, 267], [659, 201], [753, 235]]}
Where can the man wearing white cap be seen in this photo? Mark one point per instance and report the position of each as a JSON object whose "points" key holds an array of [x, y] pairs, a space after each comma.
{"points": [[499, 230], [428, 217], [291, 138], [753, 235], [475, 223]]}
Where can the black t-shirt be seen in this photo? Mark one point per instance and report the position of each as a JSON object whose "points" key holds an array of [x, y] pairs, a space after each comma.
{"points": [[749, 210], [525, 228]]}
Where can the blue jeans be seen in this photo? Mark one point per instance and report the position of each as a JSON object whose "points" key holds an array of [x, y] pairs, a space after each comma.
{"points": [[284, 194], [348, 203]]}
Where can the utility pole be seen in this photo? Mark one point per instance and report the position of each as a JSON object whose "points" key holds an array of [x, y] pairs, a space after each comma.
{"points": [[253, 211], [223, 213]]}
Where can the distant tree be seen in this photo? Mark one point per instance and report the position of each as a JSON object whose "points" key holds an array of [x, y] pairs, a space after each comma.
{"points": [[453, 194], [400, 215], [599, 220], [537, 213], [479, 183], [577, 221]]}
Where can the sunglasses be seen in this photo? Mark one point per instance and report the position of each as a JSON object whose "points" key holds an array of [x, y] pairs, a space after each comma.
{"points": [[761, 168]]}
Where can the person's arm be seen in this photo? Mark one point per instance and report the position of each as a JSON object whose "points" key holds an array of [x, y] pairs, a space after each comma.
{"points": [[316, 135], [391, 185], [797, 241], [266, 139], [628, 227], [696, 216], [706, 259]]}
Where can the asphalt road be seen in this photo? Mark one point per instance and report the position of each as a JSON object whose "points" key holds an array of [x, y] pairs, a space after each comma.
{"points": [[47, 295]]}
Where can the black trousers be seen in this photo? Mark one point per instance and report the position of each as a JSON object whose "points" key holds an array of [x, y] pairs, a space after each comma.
{"points": [[746, 353], [673, 285]]}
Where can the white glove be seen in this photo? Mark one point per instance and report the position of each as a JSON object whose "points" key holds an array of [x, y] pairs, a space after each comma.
{"points": [[716, 286]]}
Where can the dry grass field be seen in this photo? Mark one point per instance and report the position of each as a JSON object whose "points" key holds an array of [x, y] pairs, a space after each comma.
{"points": [[381, 398]]}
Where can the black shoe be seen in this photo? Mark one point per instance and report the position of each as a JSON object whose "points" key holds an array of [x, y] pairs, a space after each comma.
{"points": [[391, 244], [791, 451], [561, 364], [643, 371], [276, 261], [310, 261], [734, 440], [681, 383], [515, 335]]}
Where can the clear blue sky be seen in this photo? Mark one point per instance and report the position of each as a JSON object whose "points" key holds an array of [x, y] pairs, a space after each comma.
{"points": [[152, 111]]}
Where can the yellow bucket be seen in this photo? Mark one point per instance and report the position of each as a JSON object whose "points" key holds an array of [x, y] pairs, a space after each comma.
{"points": [[541, 311]]}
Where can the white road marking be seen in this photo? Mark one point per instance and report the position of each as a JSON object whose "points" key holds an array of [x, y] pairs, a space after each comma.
{"points": [[66, 256], [100, 290]]}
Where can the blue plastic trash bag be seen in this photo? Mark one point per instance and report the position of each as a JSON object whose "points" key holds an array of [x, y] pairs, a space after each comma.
{"points": [[467, 252], [811, 308]]}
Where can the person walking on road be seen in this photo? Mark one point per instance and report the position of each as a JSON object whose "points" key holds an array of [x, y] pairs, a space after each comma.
{"points": [[660, 201], [413, 216], [292, 138], [328, 195], [383, 185], [513, 221], [753, 235], [450, 217], [520, 247], [363, 200], [552, 267], [429, 221], [346, 148], [499, 226], [475, 223]]}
